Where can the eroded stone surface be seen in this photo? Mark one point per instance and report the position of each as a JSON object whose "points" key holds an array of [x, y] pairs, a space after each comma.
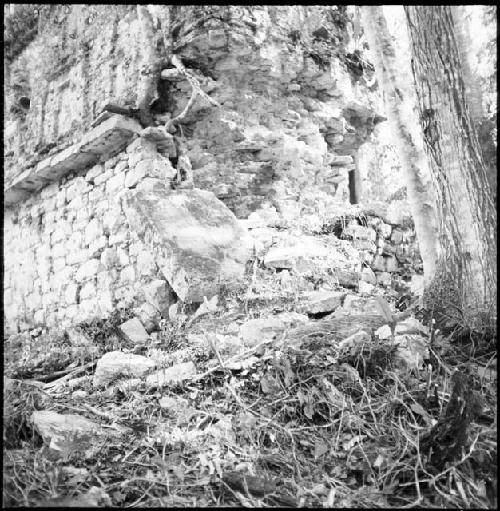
{"points": [[322, 301], [70, 433], [115, 364], [134, 331], [257, 330], [171, 375], [196, 240]]}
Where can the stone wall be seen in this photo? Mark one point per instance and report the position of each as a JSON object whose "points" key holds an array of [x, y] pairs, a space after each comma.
{"points": [[70, 253], [293, 113]]}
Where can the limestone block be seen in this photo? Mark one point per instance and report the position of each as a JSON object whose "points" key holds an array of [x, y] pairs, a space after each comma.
{"points": [[149, 184], [157, 293], [385, 263], [68, 434], [62, 232], [121, 166], [149, 316], [71, 293], [76, 204], [198, 242], [127, 275], [397, 236], [118, 238], [103, 177], [39, 317], [115, 183], [112, 219], [61, 278], [87, 309], [368, 276], [365, 288], [384, 230], [33, 301], [88, 270], [123, 258], [341, 161], [93, 231], [116, 364], [146, 264], [58, 263], [49, 191], [97, 246], [134, 331], [367, 245], [110, 163], [88, 291], [77, 187], [93, 172], [109, 258], [359, 232], [77, 256], [384, 278], [348, 279], [72, 311], [398, 213], [321, 301], [105, 302], [356, 305], [163, 140]]}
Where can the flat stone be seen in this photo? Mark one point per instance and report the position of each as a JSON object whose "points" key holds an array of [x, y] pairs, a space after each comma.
{"points": [[134, 331], [322, 301], [196, 240], [171, 375], [67, 434], [116, 364], [257, 330]]}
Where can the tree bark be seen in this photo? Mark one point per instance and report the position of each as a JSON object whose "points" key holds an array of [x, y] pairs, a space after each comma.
{"points": [[151, 70], [406, 134], [467, 215]]}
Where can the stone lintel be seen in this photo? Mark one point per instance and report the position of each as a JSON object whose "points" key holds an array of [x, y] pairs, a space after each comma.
{"points": [[102, 142]]}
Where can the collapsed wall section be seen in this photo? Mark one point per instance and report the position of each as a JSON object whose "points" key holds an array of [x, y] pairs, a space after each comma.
{"points": [[70, 254]]}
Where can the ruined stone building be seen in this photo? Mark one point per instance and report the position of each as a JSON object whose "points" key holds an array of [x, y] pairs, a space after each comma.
{"points": [[101, 211]]}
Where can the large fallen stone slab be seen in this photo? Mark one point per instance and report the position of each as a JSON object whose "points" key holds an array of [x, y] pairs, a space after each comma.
{"points": [[195, 239], [67, 434], [115, 364]]}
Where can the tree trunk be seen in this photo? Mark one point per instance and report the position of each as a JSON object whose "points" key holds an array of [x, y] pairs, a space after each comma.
{"points": [[406, 134], [151, 70], [467, 216]]}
